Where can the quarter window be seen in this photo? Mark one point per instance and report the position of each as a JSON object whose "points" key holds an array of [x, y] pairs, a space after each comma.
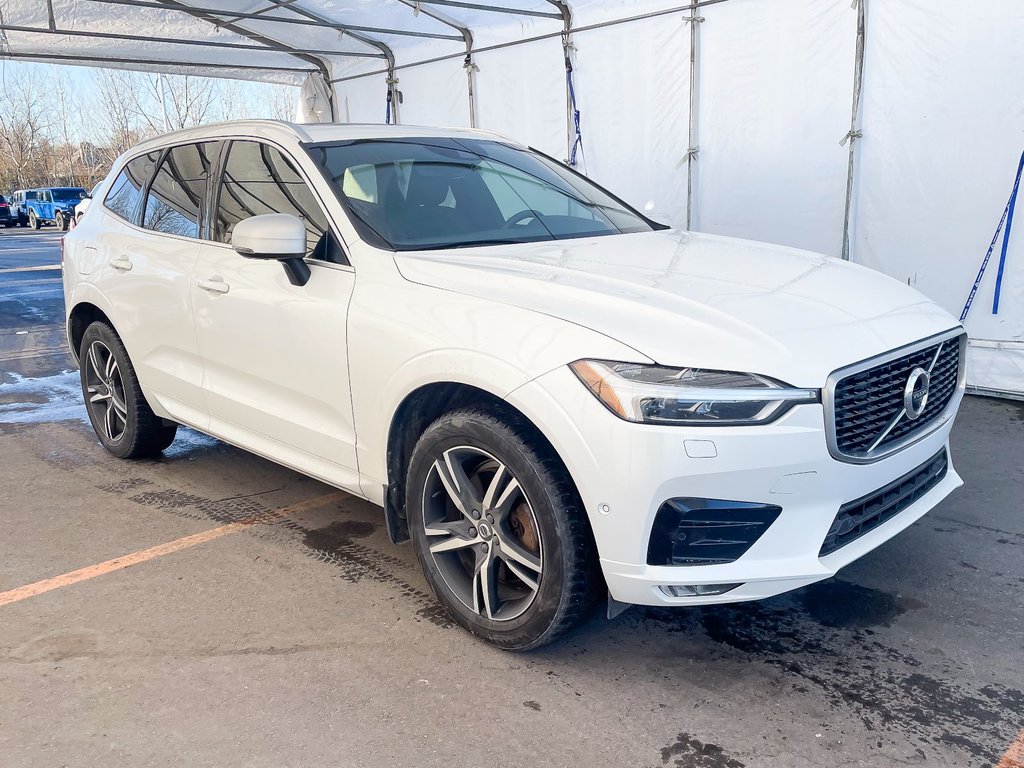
{"points": [[259, 179], [175, 198], [126, 191]]}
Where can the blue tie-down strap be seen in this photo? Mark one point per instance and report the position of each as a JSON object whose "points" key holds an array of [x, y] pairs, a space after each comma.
{"points": [[1007, 221], [577, 146], [387, 114]]}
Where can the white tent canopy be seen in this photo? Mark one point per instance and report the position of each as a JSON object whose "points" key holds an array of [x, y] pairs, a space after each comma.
{"points": [[725, 116]]}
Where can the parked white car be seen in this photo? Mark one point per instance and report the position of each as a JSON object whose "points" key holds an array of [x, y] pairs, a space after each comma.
{"points": [[554, 397]]}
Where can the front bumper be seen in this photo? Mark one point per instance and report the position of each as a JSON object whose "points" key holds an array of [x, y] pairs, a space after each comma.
{"points": [[625, 471]]}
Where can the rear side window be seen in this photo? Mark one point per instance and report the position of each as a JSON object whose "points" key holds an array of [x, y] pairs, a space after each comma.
{"points": [[175, 198], [31, 195], [126, 191], [259, 179]]}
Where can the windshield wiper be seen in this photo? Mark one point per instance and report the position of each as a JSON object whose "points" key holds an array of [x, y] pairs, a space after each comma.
{"points": [[471, 244]]}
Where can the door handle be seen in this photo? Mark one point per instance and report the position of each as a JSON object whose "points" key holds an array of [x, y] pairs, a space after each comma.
{"points": [[215, 284], [121, 265]]}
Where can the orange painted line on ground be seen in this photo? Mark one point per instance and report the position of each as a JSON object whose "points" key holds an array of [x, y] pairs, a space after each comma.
{"points": [[1013, 757], [119, 563]]}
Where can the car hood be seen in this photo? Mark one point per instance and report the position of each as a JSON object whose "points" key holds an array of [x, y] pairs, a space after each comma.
{"points": [[689, 299]]}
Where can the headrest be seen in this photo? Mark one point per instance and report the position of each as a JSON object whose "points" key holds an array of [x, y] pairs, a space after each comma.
{"points": [[429, 183]]}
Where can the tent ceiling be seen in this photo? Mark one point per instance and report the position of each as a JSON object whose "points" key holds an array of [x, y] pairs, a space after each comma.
{"points": [[269, 40]]}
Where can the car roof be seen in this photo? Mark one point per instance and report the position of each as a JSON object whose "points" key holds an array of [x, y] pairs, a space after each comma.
{"points": [[308, 133]]}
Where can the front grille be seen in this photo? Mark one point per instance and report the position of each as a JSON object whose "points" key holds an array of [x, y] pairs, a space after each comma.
{"points": [[865, 403], [858, 517]]}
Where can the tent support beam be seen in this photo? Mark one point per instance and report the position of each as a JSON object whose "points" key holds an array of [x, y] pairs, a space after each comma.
{"points": [[565, 14], [51, 22], [394, 96], [179, 41], [855, 133], [491, 8], [308, 21], [93, 61], [692, 147], [467, 38]]}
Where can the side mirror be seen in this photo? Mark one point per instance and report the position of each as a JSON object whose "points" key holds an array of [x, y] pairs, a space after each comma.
{"points": [[277, 236]]}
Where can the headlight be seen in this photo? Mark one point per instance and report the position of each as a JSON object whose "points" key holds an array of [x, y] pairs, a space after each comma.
{"points": [[654, 394]]}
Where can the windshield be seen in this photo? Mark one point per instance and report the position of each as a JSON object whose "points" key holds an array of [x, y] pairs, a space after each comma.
{"points": [[68, 193], [429, 193]]}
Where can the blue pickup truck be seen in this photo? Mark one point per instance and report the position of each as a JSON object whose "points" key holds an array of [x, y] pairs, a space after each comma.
{"points": [[50, 205]]}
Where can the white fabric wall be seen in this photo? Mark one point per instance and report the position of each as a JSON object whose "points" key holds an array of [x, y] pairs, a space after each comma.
{"points": [[434, 94], [521, 93], [635, 117], [776, 84], [942, 116]]}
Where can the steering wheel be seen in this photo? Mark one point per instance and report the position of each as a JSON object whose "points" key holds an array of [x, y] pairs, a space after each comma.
{"points": [[523, 215]]}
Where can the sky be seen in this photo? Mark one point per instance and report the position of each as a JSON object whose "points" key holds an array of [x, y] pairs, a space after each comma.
{"points": [[82, 80]]}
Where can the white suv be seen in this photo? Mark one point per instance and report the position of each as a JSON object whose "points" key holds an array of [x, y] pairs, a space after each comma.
{"points": [[549, 393]]}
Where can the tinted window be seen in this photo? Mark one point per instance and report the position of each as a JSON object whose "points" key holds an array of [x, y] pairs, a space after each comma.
{"points": [[410, 194], [68, 193], [259, 179], [3, 199], [175, 197], [125, 192], [31, 195]]}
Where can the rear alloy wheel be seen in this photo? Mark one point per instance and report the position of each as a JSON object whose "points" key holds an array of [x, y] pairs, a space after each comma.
{"points": [[498, 529], [33, 220], [120, 415]]}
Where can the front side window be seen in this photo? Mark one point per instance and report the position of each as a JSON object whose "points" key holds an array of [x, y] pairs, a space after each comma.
{"points": [[415, 194], [175, 198], [259, 179], [126, 191]]}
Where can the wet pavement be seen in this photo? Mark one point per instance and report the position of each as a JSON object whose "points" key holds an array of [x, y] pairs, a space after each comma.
{"points": [[306, 639]]}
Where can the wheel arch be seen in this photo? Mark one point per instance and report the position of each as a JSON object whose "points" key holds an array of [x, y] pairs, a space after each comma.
{"points": [[417, 411], [81, 316]]}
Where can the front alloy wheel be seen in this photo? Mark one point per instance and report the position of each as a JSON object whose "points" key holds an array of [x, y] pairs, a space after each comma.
{"points": [[499, 529], [482, 533]]}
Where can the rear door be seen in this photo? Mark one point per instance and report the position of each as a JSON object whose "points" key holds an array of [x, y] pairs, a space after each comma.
{"points": [[274, 353], [147, 248]]}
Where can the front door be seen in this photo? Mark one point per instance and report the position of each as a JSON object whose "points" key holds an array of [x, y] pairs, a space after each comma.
{"points": [[274, 354]]}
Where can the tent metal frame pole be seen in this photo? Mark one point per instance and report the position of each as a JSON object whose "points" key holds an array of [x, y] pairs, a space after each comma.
{"points": [[692, 145], [855, 133], [565, 14], [394, 96], [467, 37], [94, 61], [491, 8], [180, 41], [51, 21], [308, 21]]}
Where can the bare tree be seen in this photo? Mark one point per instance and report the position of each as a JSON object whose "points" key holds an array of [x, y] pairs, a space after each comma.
{"points": [[24, 124], [116, 113]]}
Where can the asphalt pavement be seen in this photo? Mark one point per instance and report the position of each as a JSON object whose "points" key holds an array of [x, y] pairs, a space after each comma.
{"points": [[209, 608]]}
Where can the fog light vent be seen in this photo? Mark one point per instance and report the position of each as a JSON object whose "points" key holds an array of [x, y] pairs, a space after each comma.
{"points": [[697, 590], [691, 531]]}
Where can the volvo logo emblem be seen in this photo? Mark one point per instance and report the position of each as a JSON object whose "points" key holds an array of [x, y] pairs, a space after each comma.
{"points": [[915, 394]]}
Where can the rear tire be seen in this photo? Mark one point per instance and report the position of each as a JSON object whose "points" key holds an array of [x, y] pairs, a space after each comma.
{"points": [[499, 530], [33, 220], [120, 415]]}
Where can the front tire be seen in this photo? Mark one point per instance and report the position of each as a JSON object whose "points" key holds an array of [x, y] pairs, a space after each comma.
{"points": [[60, 221], [120, 415], [499, 530]]}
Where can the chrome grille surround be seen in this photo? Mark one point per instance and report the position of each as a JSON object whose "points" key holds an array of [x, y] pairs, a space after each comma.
{"points": [[881, 413]]}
